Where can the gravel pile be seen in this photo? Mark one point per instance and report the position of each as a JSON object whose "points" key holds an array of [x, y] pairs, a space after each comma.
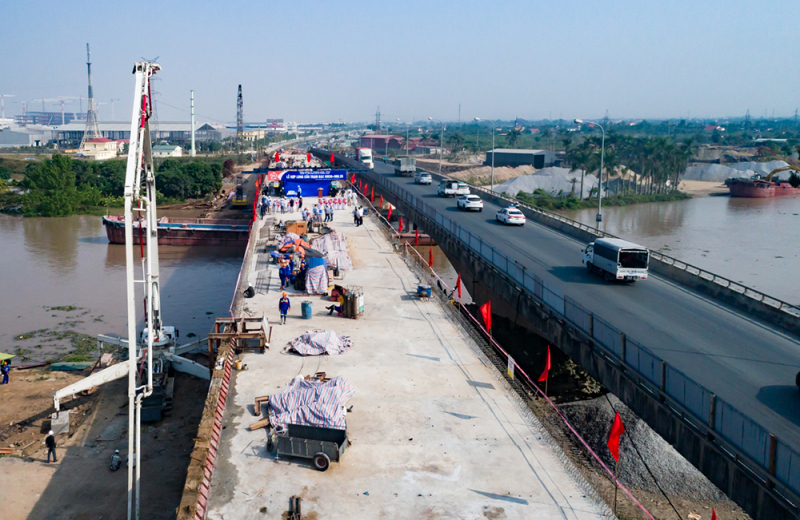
{"points": [[719, 172], [553, 180], [675, 474]]}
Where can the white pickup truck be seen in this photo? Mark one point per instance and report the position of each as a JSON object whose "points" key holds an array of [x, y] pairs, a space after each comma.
{"points": [[453, 189], [617, 259]]}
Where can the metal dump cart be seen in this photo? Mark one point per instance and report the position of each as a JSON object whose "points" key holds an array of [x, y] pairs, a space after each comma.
{"points": [[321, 445]]}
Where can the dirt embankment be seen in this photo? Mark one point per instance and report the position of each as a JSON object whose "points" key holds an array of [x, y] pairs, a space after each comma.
{"points": [[80, 484]]}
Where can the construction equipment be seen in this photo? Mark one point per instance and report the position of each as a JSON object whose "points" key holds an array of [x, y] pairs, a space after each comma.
{"points": [[768, 178], [239, 199]]}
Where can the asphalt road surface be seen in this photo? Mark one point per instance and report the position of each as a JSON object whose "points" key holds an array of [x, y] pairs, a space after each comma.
{"points": [[749, 364]]}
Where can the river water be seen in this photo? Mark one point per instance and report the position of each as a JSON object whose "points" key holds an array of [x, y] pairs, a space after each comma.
{"points": [[53, 262], [750, 241]]}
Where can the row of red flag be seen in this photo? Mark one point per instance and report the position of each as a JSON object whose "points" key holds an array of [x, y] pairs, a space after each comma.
{"points": [[617, 427]]}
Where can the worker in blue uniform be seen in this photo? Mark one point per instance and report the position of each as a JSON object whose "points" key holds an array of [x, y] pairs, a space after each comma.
{"points": [[284, 305]]}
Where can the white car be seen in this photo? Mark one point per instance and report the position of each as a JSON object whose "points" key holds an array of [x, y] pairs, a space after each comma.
{"points": [[511, 216], [468, 202], [422, 178]]}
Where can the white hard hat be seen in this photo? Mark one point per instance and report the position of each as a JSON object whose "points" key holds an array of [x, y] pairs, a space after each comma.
{"points": [[50, 432]]}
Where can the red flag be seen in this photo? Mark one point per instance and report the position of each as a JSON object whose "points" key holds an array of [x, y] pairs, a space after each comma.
{"points": [[366, 188], [430, 257], [308, 157], [416, 238], [546, 372], [713, 514], [359, 184], [486, 312], [617, 429], [458, 285], [401, 224], [277, 156], [332, 159], [389, 217], [381, 200], [372, 196], [353, 180]]}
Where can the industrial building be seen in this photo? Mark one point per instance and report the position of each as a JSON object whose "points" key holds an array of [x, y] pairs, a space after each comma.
{"points": [[49, 118], [510, 157]]}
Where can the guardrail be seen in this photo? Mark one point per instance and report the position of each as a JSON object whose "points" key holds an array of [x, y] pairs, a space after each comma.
{"points": [[776, 303], [770, 460]]}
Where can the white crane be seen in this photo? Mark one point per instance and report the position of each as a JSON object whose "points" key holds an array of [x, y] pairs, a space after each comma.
{"points": [[140, 168]]}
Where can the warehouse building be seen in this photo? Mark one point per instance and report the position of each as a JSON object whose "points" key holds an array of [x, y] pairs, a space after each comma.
{"points": [[510, 157]]}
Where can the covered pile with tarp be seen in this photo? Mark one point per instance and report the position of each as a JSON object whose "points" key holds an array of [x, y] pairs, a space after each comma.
{"points": [[312, 403], [333, 247], [316, 275], [319, 342], [291, 243]]}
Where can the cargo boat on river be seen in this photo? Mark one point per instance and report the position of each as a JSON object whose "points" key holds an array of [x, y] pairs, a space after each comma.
{"points": [[184, 231], [760, 189]]}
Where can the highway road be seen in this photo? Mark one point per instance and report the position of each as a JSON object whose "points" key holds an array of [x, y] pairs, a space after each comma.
{"points": [[749, 364]]}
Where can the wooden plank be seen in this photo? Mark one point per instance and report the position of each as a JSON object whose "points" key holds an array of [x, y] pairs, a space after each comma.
{"points": [[259, 424]]}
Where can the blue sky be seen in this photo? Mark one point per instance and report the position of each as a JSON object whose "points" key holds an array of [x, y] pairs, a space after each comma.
{"points": [[323, 61]]}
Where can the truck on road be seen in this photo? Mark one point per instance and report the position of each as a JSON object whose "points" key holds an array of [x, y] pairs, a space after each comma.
{"points": [[617, 259], [405, 166], [365, 156]]}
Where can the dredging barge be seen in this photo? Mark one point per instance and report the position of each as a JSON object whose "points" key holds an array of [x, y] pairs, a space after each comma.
{"points": [[183, 231]]}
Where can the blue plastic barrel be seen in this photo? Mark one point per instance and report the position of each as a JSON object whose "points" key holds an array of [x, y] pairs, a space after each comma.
{"points": [[424, 290], [306, 306]]}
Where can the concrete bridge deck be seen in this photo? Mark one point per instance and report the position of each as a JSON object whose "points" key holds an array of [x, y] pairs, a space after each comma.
{"points": [[436, 432]]}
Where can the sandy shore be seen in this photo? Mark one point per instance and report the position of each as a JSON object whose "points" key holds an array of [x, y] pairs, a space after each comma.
{"points": [[702, 188]]}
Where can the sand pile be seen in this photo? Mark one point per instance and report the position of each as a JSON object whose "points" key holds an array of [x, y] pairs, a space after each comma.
{"points": [[719, 172]]}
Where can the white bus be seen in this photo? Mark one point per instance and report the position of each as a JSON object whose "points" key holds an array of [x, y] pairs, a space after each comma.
{"points": [[617, 259]]}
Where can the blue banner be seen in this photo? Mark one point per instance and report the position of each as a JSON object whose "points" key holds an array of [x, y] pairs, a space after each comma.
{"points": [[314, 175]]}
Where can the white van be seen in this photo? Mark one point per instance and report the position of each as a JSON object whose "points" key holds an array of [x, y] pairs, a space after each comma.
{"points": [[450, 188], [617, 259]]}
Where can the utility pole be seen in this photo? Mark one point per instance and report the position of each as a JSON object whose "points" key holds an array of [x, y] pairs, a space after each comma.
{"points": [[113, 118], [192, 152], [239, 120], [378, 120]]}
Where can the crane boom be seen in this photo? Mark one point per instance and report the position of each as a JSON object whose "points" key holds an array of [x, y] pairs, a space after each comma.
{"points": [[140, 169], [768, 178]]}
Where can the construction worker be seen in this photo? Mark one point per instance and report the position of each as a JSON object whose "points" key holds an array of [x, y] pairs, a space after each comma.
{"points": [[284, 305], [5, 368], [116, 461], [50, 442]]}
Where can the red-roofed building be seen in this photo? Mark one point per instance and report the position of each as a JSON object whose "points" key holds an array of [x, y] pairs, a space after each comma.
{"points": [[382, 142]]}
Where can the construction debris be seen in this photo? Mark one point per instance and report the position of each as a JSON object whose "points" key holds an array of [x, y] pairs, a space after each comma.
{"points": [[334, 247]]}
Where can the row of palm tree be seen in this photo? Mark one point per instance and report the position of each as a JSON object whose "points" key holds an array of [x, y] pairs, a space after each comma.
{"points": [[657, 161]]}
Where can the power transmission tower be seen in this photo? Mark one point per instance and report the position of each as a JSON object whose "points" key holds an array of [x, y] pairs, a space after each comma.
{"points": [[239, 121], [378, 120], [795, 117], [92, 130], [747, 119]]}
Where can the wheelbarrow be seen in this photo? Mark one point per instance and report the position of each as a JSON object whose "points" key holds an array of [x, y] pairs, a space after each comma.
{"points": [[321, 445]]}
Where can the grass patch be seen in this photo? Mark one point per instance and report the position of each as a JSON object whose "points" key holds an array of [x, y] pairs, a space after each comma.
{"points": [[541, 199]]}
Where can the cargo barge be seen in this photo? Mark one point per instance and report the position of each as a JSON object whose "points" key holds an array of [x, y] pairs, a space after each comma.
{"points": [[760, 189], [184, 231]]}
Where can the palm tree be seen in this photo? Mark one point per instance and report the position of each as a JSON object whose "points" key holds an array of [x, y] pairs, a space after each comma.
{"points": [[513, 137]]}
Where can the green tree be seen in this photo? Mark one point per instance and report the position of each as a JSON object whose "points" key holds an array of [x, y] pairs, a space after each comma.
{"points": [[513, 136]]}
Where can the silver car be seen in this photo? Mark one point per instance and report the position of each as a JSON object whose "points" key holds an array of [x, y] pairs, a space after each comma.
{"points": [[422, 178]]}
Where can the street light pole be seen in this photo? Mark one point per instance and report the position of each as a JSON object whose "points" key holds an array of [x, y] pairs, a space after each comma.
{"points": [[398, 120], [599, 217], [493, 125], [441, 143]]}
